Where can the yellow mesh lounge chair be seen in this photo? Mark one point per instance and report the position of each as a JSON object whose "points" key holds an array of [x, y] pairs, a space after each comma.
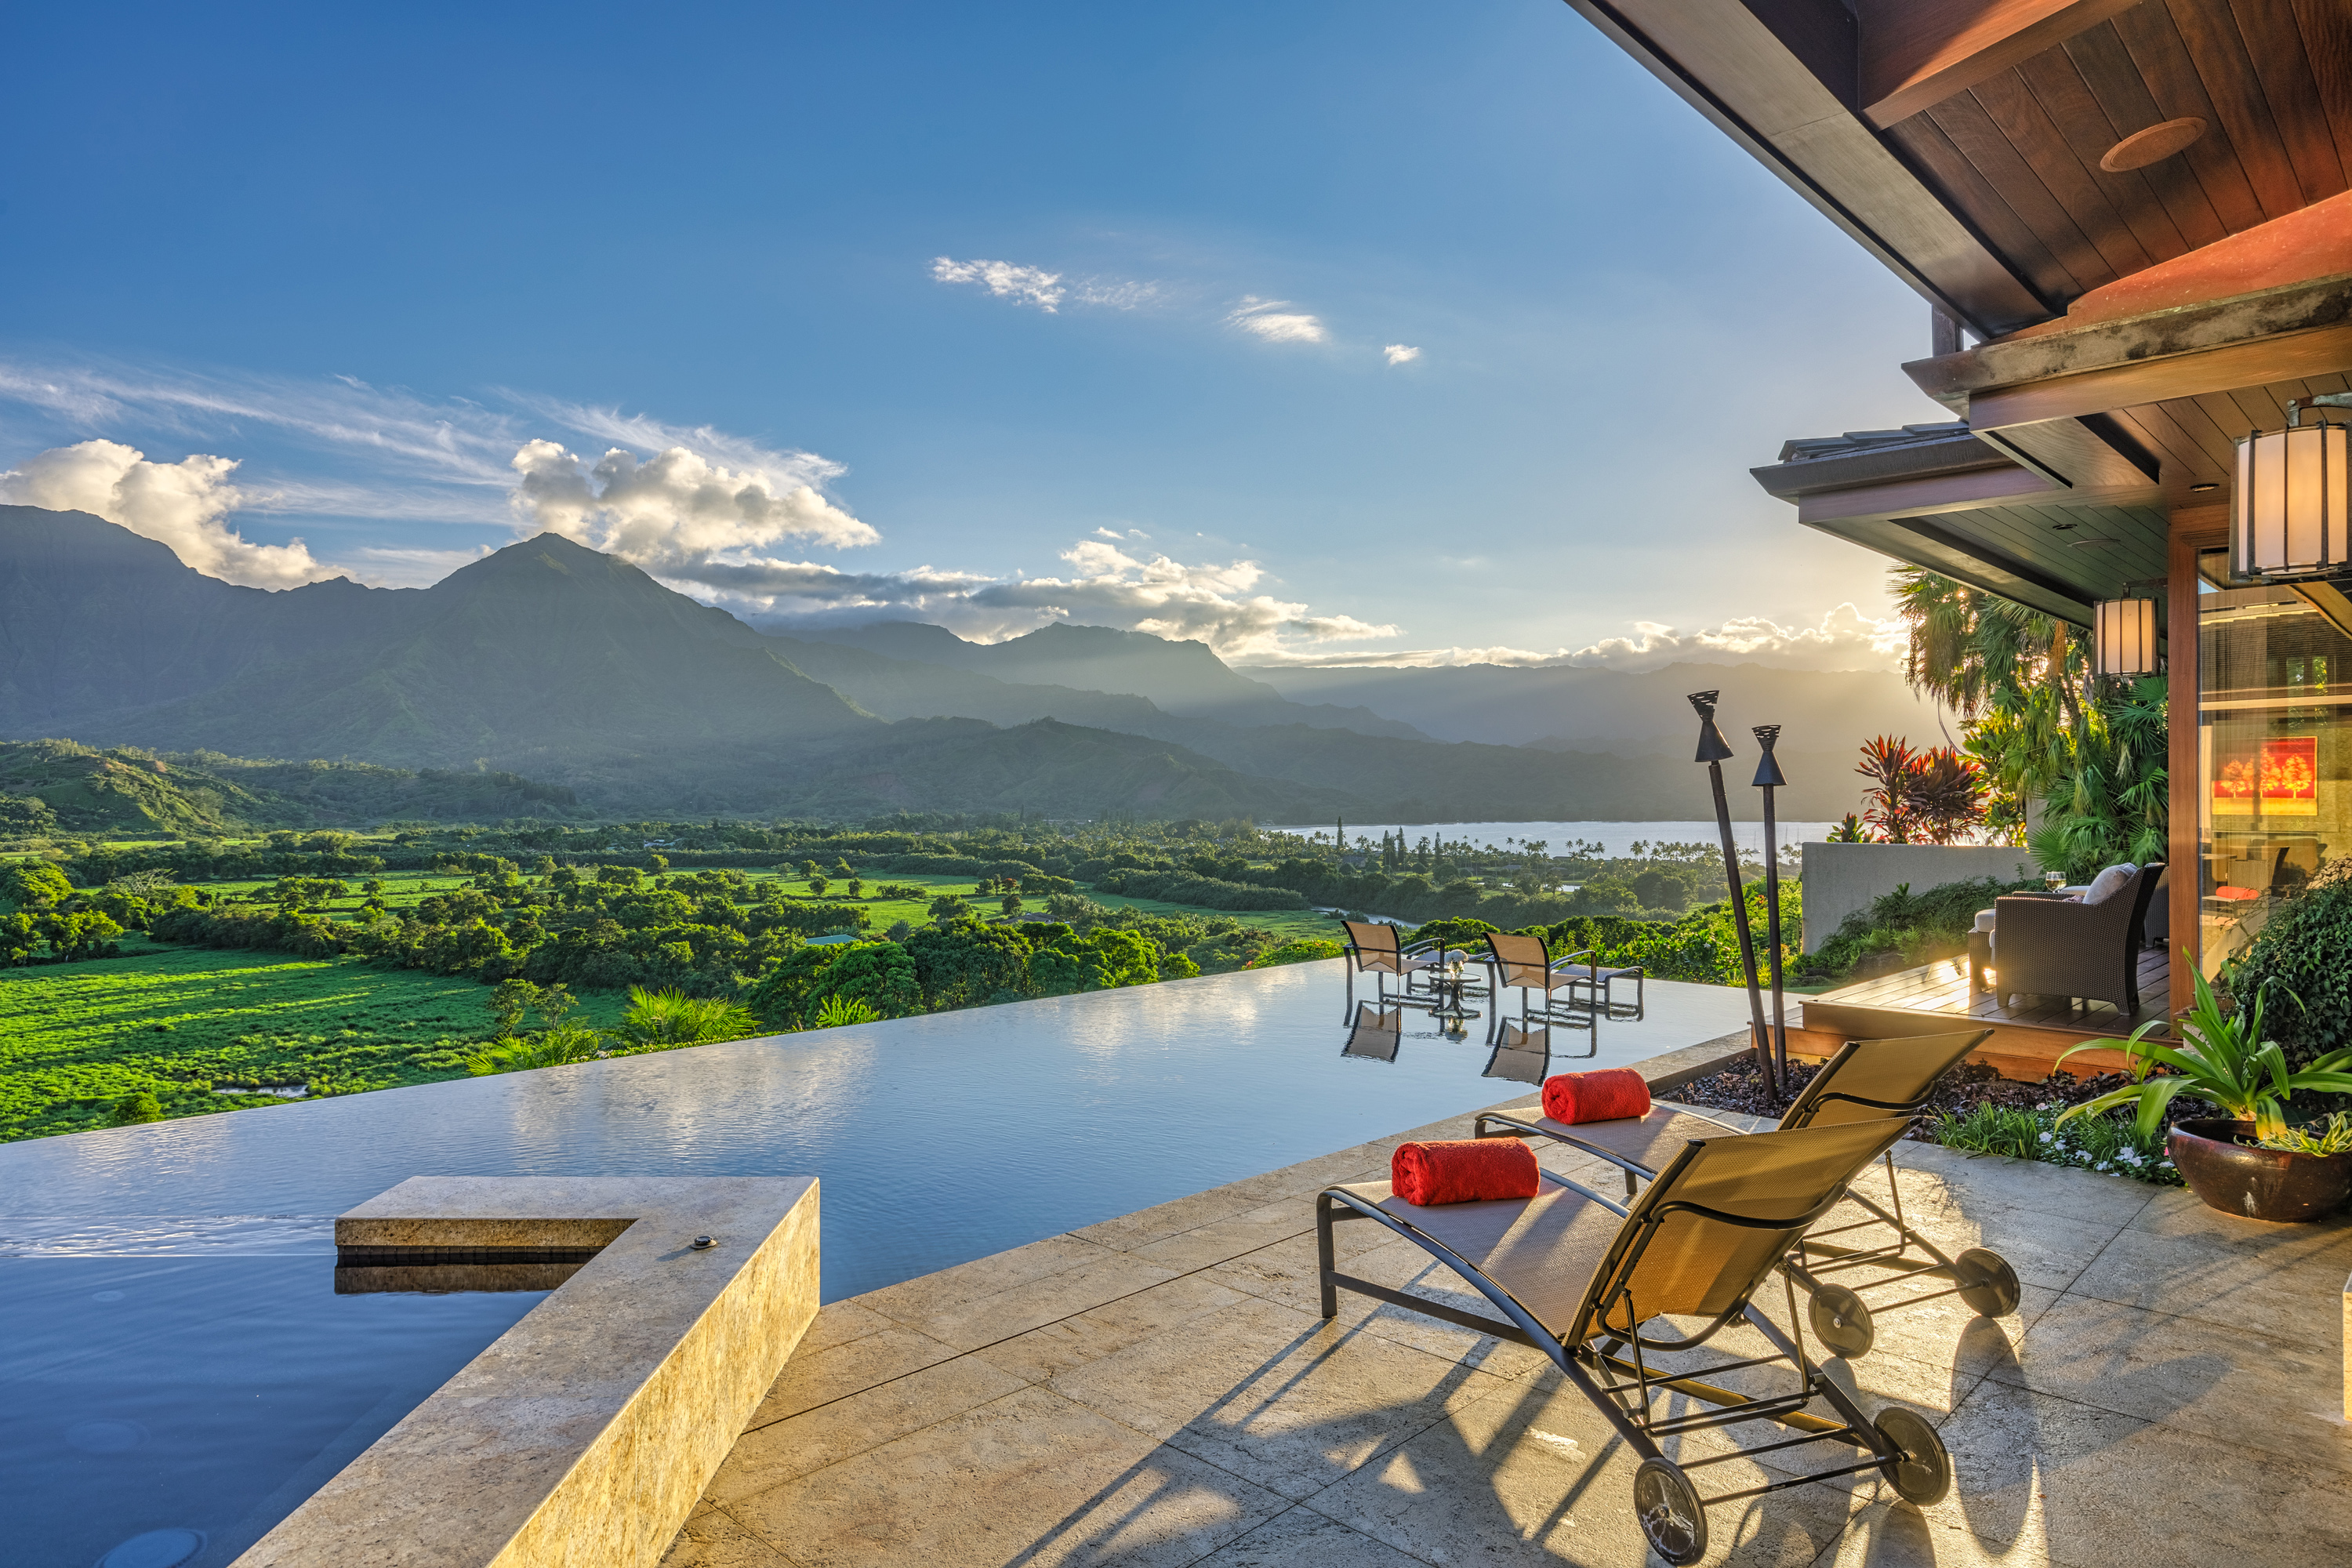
{"points": [[1867, 1080], [1526, 962], [1589, 1282], [1375, 948]]}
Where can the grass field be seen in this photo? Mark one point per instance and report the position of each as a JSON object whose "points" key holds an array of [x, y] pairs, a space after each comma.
{"points": [[195, 1026], [189, 1022]]}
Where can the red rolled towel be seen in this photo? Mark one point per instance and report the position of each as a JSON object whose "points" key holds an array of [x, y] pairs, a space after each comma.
{"points": [[1609, 1095], [1463, 1170]]}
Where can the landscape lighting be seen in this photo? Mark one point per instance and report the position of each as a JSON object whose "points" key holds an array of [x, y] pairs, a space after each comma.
{"points": [[2289, 517], [1712, 749], [2123, 637], [1769, 777]]}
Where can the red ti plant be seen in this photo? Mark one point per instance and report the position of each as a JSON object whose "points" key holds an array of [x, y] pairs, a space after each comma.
{"points": [[1931, 796]]}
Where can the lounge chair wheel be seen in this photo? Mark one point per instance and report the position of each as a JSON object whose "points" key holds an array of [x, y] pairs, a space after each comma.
{"points": [[1670, 1513], [1922, 1470], [1840, 1322], [1987, 1284]]}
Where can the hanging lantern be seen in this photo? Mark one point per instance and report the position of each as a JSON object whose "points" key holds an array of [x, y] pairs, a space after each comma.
{"points": [[2123, 636], [2294, 506]]}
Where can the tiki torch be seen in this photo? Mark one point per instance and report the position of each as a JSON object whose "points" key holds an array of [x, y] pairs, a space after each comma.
{"points": [[1769, 777], [1712, 749]]}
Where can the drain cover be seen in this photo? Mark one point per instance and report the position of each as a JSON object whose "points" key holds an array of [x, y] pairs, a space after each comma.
{"points": [[105, 1436], [156, 1549]]}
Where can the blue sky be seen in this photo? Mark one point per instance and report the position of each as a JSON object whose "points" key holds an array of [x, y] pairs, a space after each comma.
{"points": [[415, 270]]}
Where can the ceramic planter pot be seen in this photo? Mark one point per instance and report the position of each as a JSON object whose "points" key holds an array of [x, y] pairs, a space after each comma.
{"points": [[2256, 1183]]}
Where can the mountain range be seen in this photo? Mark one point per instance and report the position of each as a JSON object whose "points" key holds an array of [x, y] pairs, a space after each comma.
{"points": [[553, 661]]}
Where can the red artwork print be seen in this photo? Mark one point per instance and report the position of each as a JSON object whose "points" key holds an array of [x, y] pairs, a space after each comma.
{"points": [[2284, 774]]}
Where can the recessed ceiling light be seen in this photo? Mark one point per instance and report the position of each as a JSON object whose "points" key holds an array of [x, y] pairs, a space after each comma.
{"points": [[2200, 489], [2092, 542], [2156, 143], [2061, 527]]}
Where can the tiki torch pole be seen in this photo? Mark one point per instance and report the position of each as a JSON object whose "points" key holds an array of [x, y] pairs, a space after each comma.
{"points": [[1769, 777], [1712, 749]]}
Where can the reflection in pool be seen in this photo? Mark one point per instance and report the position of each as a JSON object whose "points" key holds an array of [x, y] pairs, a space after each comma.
{"points": [[184, 1356], [1012, 1122]]}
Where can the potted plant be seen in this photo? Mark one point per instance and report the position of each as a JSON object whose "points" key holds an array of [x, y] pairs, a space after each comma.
{"points": [[2246, 1161]]}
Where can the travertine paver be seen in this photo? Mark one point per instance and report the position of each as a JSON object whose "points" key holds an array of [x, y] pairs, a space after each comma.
{"points": [[1159, 1389]]}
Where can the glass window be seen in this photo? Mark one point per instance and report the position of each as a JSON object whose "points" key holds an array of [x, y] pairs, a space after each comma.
{"points": [[2273, 751]]}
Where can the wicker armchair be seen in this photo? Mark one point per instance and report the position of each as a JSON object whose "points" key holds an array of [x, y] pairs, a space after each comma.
{"points": [[2052, 947]]}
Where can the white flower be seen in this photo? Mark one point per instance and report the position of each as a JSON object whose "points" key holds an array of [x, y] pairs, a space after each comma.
{"points": [[2047, 1136]]}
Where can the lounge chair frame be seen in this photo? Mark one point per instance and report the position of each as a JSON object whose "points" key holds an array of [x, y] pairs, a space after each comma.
{"points": [[1378, 949], [1844, 1319], [1606, 1355], [1545, 973]]}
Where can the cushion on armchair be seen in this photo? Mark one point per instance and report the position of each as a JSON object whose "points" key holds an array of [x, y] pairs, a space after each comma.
{"points": [[2110, 882], [1985, 919]]}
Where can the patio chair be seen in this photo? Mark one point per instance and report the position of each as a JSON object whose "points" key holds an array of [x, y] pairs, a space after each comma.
{"points": [[1581, 1277], [1377, 949], [2086, 949], [1527, 963], [1867, 1080], [1376, 1034]]}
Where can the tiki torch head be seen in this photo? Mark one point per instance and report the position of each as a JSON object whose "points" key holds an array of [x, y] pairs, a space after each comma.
{"points": [[1768, 767], [1712, 746]]}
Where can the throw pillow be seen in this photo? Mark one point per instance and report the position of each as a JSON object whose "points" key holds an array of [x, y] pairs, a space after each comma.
{"points": [[2110, 882]]}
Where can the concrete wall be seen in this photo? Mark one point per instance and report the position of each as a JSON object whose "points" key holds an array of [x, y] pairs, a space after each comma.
{"points": [[1842, 878]]}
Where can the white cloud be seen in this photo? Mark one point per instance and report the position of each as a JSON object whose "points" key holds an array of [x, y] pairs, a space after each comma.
{"points": [[674, 510], [1022, 285], [1401, 353], [1108, 534], [1213, 603], [179, 504], [1124, 296], [1845, 640], [1272, 320], [1045, 291]]}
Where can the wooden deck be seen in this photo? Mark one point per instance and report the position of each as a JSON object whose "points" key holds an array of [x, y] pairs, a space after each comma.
{"points": [[2027, 1039]]}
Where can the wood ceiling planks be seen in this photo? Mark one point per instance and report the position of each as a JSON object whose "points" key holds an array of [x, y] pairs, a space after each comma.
{"points": [[2018, 152]]}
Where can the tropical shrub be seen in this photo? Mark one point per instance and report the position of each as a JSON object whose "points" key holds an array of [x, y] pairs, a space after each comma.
{"points": [[2223, 1057], [2305, 953], [2107, 803], [840, 1010], [548, 1048], [965, 963], [1922, 927], [661, 1020], [1932, 797], [1299, 950]]}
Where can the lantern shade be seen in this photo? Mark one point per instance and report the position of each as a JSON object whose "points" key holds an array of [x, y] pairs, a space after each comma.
{"points": [[2294, 503], [2123, 636]]}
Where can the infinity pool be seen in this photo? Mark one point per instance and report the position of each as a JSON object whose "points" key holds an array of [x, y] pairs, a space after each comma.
{"points": [[938, 1139]]}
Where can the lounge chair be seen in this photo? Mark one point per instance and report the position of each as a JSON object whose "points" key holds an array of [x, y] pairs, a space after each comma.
{"points": [[1375, 948], [1579, 1277], [1525, 963], [1867, 1080], [1376, 1034]]}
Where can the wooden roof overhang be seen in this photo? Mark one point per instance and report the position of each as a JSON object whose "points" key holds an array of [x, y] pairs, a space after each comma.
{"points": [[1942, 497], [2136, 317]]}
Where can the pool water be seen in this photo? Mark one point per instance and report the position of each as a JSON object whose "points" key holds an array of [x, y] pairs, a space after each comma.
{"points": [[177, 1360], [160, 1411]]}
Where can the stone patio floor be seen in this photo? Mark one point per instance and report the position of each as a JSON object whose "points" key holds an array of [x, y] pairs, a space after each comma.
{"points": [[1158, 1390]]}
